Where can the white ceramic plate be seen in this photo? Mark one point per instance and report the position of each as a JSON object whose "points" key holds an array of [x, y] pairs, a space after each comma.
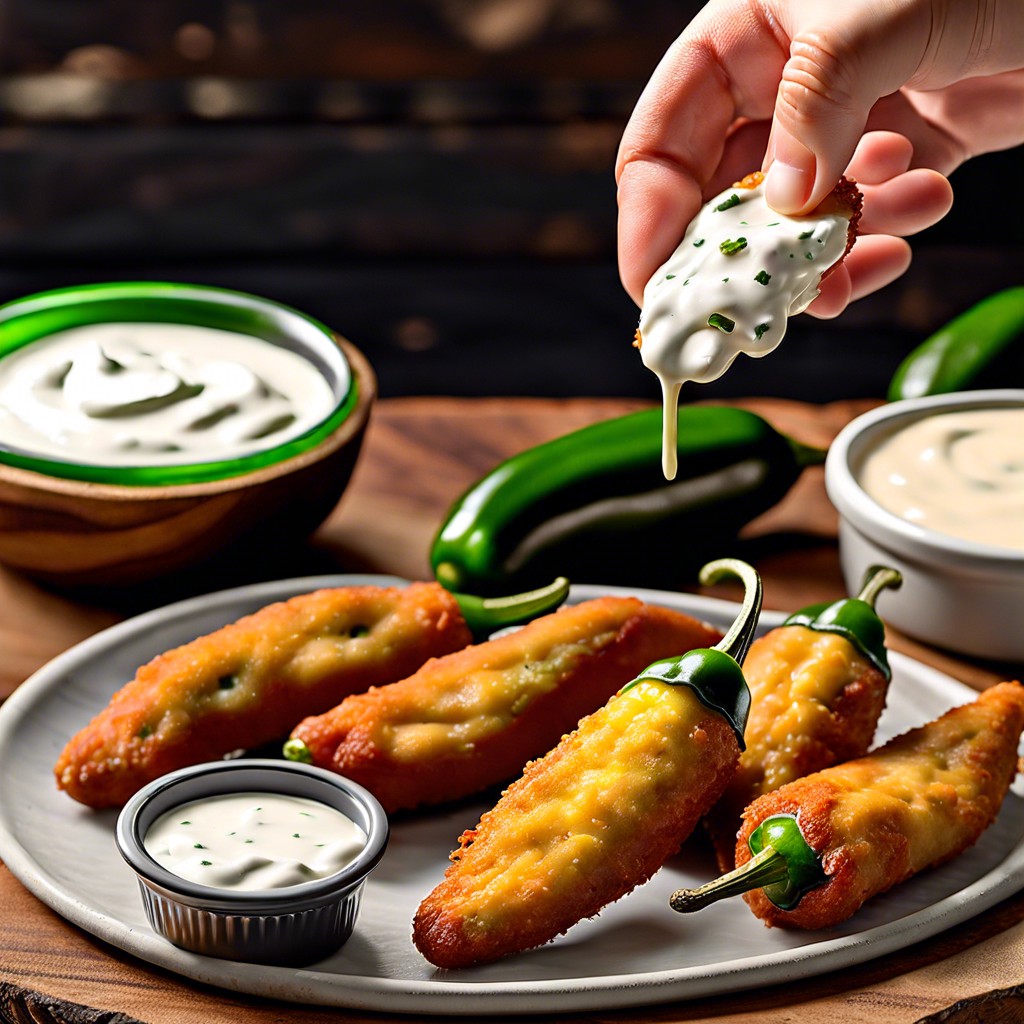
{"points": [[635, 952]]}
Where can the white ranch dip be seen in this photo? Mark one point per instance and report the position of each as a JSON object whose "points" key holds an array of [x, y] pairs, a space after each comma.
{"points": [[960, 473], [740, 271], [250, 841], [120, 394]]}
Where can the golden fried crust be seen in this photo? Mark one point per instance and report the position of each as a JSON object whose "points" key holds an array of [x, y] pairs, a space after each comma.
{"points": [[474, 718], [815, 702], [751, 180], [847, 199], [247, 683], [584, 825], [920, 800]]}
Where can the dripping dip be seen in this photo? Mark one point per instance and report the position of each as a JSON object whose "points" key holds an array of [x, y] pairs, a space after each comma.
{"points": [[740, 272]]}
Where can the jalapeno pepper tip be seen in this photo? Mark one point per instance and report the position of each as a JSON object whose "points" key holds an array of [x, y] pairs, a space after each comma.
{"points": [[448, 575], [296, 750]]}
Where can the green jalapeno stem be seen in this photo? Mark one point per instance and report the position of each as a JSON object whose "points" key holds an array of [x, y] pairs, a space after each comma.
{"points": [[783, 864], [485, 614], [855, 618], [763, 869], [876, 579], [740, 635], [714, 673]]}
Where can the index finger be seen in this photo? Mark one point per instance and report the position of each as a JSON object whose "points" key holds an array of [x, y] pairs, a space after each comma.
{"points": [[725, 65]]}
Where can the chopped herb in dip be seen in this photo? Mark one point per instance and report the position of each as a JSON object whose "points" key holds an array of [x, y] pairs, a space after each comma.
{"points": [[731, 246]]}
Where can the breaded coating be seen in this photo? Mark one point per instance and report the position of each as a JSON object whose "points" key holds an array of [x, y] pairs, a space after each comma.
{"points": [[249, 682], [585, 824], [918, 801], [815, 701], [474, 718]]}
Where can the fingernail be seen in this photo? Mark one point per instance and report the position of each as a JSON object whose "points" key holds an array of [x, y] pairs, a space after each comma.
{"points": [[790, 178]]}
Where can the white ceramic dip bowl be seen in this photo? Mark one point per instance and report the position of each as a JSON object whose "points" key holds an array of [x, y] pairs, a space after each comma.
{"points": [[958, 594]]}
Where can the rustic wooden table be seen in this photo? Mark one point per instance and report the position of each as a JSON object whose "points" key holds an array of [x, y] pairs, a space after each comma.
{"points": [[420, 454]]}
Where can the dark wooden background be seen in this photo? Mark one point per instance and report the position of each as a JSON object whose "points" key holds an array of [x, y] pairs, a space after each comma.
{"points": [[431, 177]]}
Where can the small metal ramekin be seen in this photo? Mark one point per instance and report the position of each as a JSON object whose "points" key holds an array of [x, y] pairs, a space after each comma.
{"points": [[295, 925]]}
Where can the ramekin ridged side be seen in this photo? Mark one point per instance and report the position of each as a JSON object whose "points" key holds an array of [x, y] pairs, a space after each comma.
{"points": [[295, 938]]}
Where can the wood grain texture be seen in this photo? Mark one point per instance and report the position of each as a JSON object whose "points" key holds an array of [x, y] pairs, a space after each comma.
{"points": [[23, 1006], [418, 456], [1003, 1007]]}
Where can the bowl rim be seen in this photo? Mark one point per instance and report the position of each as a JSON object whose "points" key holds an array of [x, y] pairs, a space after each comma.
{"points": [[205, 305], [866, 515], [303, 780]]}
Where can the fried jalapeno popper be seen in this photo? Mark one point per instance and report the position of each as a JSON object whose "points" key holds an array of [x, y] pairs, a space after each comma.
{"points": [[817, 688], [601, 812], [249, 682], [813, 852], [474, 718], [741, 270]]}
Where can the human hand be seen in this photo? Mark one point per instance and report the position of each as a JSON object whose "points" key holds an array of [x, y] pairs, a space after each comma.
{"points": [[895, 95]]}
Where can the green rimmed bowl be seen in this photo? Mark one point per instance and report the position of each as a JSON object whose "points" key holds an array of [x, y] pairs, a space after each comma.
{"points": [[83, 524]]}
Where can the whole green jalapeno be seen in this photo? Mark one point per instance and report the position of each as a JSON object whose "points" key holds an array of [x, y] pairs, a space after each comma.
{"points": [[594, 504], [954, 355]]}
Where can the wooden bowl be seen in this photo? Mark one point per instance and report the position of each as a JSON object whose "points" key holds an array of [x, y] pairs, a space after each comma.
{"points": [[86, 533]]}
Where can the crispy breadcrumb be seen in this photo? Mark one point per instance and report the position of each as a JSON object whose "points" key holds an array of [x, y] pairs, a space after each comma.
{"points": [[472, 719], [249, 682]]}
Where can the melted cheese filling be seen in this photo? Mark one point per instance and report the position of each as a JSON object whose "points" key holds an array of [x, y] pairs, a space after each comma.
{"points": [[795, 676], [639, 745], [475, 707]]}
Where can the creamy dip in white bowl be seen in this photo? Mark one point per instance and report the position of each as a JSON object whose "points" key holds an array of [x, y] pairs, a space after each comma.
{"points": [[958, 593]]}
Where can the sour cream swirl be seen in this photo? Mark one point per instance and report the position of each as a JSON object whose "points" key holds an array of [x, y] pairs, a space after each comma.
{"points": [[250, 841], [960, 473], [119, 394]]}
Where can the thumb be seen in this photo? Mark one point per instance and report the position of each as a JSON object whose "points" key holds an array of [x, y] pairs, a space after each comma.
{"points": [[835, 73]]}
